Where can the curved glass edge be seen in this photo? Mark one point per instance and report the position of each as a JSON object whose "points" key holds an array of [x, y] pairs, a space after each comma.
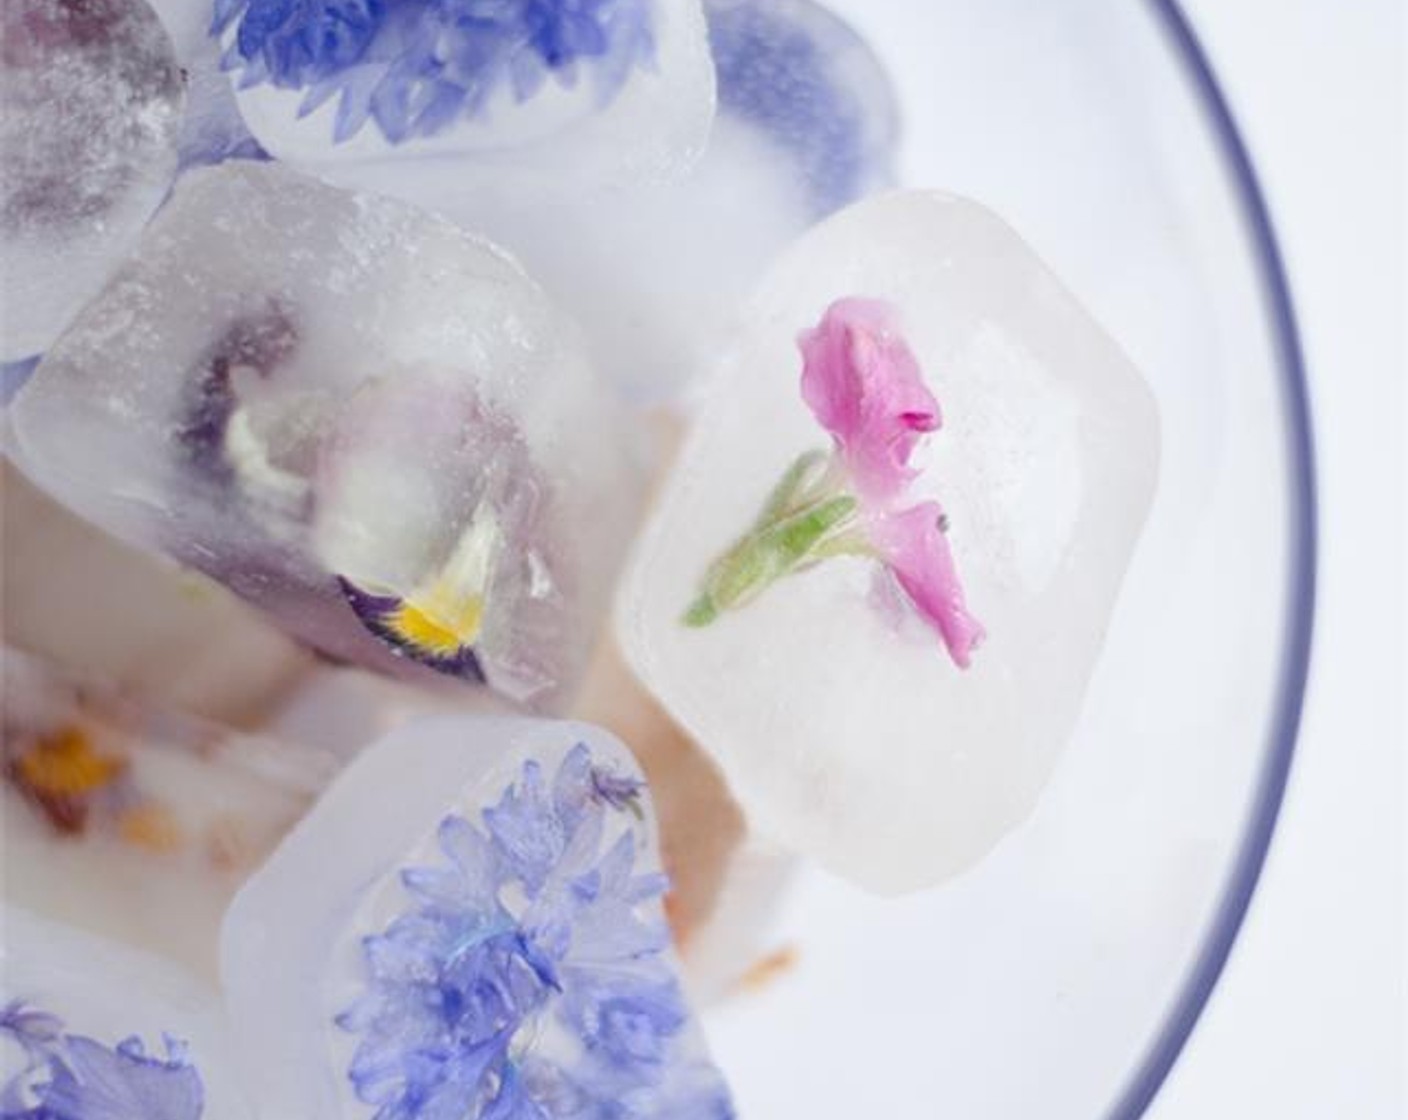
{"points": [[1154, 1068]]}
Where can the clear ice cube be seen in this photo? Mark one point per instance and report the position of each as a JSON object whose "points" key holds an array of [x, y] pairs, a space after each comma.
{"points": [[92, 98], [842, 726], [358, 418], [469, 919]]}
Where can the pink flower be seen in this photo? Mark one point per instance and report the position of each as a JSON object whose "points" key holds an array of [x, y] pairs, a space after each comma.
{"points": [[913, 546], [864, 386]]}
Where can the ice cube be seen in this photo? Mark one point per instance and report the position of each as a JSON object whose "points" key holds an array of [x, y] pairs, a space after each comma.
{"points": [[470, 916], [358, 418], [840, 723], [542, 100], [148, 819], [91, 1029], [92, 95]]}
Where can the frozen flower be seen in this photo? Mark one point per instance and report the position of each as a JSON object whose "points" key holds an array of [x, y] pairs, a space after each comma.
{"points": [[533, 930], [415, 67], [864, 386], [301, 41], [70, 1077]]}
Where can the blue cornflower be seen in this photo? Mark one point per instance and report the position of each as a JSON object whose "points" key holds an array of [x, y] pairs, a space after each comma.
{"points": [[298, 42], [70, 1077], [528, 978], [415, 67]]}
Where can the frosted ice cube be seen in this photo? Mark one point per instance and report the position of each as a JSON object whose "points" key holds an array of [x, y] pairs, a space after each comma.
{"points": [[470, 915], [541, 100], [357, 417], [92, 95], [843, 729], [71, 1006], [655, 271]]}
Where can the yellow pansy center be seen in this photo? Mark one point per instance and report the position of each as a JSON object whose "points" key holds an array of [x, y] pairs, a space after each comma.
{"points": [[440, 623], [446, 614]]}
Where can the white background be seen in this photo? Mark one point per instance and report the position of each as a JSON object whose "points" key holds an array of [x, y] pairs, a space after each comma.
{"points": [[1308, 1021]]}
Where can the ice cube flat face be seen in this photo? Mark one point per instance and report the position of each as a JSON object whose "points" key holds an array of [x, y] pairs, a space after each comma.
{"points": [[840, 722], [467, 921], [357, 417], [559, 98], [93, 99], [89, 1028]]}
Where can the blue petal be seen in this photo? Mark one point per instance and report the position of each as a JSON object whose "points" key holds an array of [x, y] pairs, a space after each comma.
{"points": [[103, 1084]]}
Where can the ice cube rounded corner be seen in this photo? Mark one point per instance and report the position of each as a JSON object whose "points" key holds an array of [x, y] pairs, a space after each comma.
{"points": [[844, 730]]}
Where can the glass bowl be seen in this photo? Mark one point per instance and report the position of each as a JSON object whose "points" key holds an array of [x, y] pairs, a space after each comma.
{"points": [[1062, 975]]}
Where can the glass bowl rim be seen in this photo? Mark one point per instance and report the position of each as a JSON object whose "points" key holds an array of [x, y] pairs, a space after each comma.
{"points": [[1202, 978]]}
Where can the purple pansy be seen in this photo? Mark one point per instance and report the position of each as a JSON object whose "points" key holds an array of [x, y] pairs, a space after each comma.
{"points": [[864, 386], [415, 67], [529, 977], [71, 1077]]}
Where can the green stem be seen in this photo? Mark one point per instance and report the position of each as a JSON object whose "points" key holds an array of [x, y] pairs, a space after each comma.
{"points": [[773, 550]]}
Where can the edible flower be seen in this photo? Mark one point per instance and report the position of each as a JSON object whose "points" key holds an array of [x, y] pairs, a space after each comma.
{"points": [[71, 1077], [864, 386], [416, 67], [528, 978]]}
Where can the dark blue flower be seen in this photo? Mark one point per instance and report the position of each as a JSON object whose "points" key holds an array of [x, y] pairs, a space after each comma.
{"points": [[534, 918], [70, 1077], [298, 42], [416, 67]]}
